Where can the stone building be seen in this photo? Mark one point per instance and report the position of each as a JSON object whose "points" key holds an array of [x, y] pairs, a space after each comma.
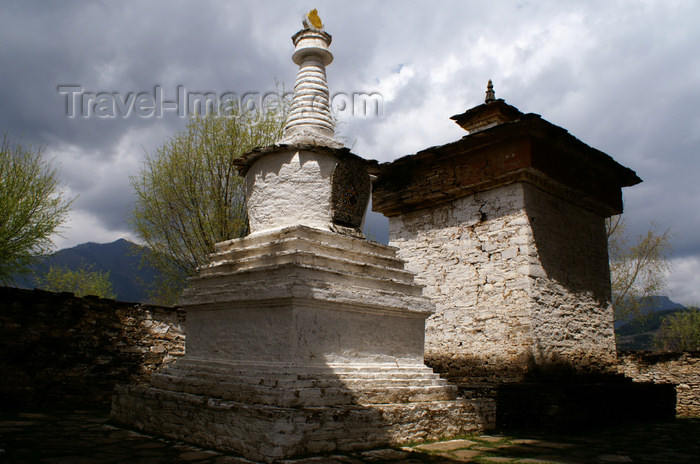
{"points": [[506, 229]]}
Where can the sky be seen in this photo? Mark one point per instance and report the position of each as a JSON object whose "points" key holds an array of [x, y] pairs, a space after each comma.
{"points": [[622, 76]]}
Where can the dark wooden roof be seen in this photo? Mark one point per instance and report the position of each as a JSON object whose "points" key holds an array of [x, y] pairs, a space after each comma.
{"points": [[525, 147]]}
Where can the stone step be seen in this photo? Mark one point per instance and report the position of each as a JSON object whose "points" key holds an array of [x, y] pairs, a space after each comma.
{"points": [[302, 244], [310, 258], [313, 382], [283, 280], [375, 370], [389, 382], [320, 237], [296, 397], [422, 374], [319, 271], [329, 381], [308, 430]]}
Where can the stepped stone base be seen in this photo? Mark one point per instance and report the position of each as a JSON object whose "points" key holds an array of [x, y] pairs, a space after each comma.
{"points": [[271, 411], [284, 385], [268, 433], [302, 341]]}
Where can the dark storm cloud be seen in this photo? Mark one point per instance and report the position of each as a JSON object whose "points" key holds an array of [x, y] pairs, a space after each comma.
{"points": [[121, 49], [117, 48], [622, 77]]}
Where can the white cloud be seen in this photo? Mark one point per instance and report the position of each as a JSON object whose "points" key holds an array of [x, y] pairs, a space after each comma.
{"points": [[391, 84], [84, 227], [684, 280]]}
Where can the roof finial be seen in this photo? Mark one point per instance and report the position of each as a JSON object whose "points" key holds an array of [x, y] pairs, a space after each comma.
{"points": [[490, 94], [311, 20]]}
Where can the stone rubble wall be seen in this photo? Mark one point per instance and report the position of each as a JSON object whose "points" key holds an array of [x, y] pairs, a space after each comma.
{"points": [[681, 369], [519, 278], [56, 348]]}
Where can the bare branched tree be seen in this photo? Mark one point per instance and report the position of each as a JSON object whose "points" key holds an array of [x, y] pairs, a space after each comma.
{"points": [[189, 195], [638, 267]]}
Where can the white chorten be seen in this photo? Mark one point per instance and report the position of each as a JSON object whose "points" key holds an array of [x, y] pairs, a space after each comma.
{"points": [[302, 338]]}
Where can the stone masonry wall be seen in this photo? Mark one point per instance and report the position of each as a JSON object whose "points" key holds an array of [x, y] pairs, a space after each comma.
{"points": [[467, 254], [572, 315], [681, 369], [56, 348], [519, 279]]}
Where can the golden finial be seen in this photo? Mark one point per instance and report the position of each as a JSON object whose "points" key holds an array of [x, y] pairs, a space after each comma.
{"points": [[313, 19]]}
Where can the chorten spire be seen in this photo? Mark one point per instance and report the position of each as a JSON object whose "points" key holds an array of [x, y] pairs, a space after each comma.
{"points": [[310, 120], [490, 94]]}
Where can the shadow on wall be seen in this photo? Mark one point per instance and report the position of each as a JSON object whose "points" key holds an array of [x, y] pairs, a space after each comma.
{"points": [[680, 369], [558, 394], [572, 315], [571, 245]]}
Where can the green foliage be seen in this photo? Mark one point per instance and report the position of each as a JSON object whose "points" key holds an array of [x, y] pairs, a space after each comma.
{"points": [[189, 195], [32, 207], [638, 267], [641, 333], [680, 332], [82, 281], [647, 324]]}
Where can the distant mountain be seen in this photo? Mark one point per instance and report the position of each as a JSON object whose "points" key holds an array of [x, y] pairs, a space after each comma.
{"points": [[639, 333], [660, 303], [121, 258], [652, 304]]}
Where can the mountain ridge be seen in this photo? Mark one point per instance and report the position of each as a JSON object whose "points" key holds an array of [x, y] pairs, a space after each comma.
{"points": [[121, 258]]}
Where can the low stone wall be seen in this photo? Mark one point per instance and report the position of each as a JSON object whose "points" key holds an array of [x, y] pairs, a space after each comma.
{"points": [[681, 369], [58, 349]]}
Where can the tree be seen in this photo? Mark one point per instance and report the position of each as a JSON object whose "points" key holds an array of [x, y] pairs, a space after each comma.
{"points": [[82, 281], [638, 268], [32, 207], [189, 195], [680, 332]]}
